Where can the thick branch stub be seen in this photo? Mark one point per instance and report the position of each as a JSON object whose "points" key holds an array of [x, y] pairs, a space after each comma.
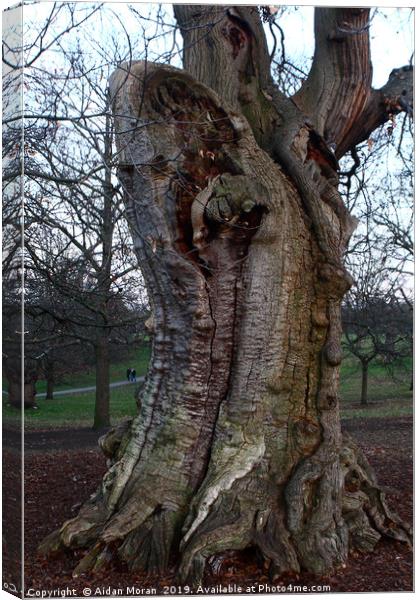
{"points": [[337, 95], [341, 69], [394, 97]]}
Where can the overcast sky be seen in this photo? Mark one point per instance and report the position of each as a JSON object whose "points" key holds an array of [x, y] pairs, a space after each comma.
{"points": [[392, 37], [392, 31]]}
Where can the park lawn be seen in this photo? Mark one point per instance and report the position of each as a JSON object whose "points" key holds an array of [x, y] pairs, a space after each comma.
{"points": [[72, 411], [139, 360], [388, 408], [382, 385], [387, 396]]}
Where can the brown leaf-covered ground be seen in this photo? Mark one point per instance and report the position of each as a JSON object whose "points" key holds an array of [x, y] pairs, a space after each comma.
{"points": [[57, 481]]}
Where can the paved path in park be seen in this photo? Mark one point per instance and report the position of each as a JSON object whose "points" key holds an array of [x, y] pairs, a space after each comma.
{"points": [[82, 390]]}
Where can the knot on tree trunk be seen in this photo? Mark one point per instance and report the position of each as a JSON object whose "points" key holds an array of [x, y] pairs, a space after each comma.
{"points": [[114, 441]]}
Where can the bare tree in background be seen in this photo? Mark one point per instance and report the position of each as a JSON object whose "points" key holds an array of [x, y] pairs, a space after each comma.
{"points": [[377, 323], [378, 186], [73, 202]]}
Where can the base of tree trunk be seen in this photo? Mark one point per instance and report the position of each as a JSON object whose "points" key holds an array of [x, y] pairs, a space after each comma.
{"points": [[147, 532]]}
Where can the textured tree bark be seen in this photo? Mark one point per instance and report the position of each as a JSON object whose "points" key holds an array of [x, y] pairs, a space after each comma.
{"points": [[102, 363], [364, 394], [231, 195]]}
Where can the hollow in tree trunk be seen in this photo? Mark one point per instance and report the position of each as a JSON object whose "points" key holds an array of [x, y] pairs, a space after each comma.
{"points": [[231, 194]]}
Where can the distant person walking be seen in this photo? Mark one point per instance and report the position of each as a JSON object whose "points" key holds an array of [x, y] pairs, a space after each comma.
{"points": [[133, 375], [129, 374]]}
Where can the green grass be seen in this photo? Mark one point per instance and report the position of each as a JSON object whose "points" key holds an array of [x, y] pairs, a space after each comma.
{"points": [[391, 408], [381, 384], [72, 411], [118, 372], [77, 411], [387, 397]]}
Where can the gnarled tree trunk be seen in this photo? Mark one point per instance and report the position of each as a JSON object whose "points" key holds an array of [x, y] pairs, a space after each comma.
{"points": [[231, 193]]}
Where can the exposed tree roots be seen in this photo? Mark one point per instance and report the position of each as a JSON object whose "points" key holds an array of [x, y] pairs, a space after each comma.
{"points": [[233, 513]]}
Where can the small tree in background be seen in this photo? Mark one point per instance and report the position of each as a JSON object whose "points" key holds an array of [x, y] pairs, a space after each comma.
{"points": [[76, 240], [376, 328]]}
